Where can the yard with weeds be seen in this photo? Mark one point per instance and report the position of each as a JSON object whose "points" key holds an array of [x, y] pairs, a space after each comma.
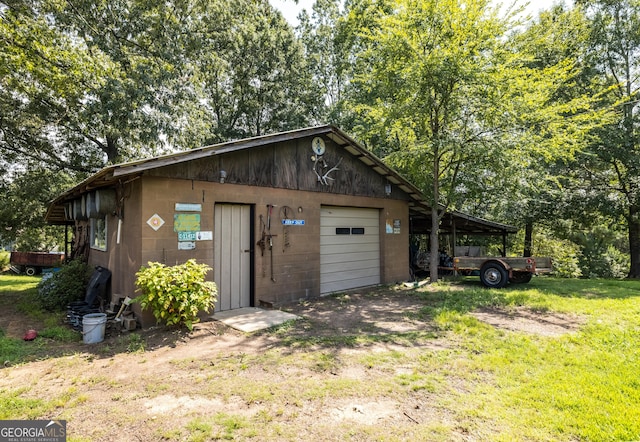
{"points": [[549, 360]]}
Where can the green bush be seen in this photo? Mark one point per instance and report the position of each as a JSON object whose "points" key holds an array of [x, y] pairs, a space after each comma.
{"points": [[602, 260], [4, 259], [176, 294], [65, 286], [564, 253]]}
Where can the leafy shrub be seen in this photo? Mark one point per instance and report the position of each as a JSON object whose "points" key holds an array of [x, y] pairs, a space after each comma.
{"points": [[604, 252], [4, 259], [605, 261], [564, 253], [176, 294], [67, 285]]}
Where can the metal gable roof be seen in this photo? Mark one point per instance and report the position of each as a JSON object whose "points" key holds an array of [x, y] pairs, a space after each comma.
{"points": [[418, 205]]}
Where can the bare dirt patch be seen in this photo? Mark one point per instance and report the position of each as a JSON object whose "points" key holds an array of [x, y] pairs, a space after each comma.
{"points": [[525, 320], [165, 383]]}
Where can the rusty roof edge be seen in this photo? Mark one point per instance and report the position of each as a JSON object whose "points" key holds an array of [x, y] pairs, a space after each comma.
{"points": [[416, 193], [85, 183], [138, 166], [220, 148], [413, 191], [506, 227]]}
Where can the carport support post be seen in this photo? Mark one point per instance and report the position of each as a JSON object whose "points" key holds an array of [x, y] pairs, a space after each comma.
{"points": [[66, 243], [504, 243], [454, 239]]}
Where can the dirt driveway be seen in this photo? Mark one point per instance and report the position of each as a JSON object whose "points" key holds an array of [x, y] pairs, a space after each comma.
{"points": [[346, 371]]}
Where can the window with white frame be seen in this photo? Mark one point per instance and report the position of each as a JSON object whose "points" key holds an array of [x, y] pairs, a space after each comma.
{"points": [[99, 233]]}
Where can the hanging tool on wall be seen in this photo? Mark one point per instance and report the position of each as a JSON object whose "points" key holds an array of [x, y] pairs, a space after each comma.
{"points": [[262, 242], [286, 213], [271, 252], [270, 237]]}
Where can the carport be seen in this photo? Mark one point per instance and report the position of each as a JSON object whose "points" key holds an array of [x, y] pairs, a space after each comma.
{"points": [[453, 225]]}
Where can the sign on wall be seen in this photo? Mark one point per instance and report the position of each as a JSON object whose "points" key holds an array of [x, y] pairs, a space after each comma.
{"points": [[393, 226], [155, 222], [293, 222], [188, 207], [206, 235], [186, 222], [186, 236], [186, 245]]}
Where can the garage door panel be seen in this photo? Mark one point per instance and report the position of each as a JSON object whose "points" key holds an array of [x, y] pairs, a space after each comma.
{"points": [[350, 259], [369, 229], [350, 284], [338, 214], [336, 249], [367, 225], [350, 222], [332, 238], [371, 272], [357, 246], [351, 266]]}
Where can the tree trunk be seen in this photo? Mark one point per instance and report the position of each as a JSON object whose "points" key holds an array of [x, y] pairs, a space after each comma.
{"points": [[434, 259], [634, 241], [528, 239], [111, 149]]}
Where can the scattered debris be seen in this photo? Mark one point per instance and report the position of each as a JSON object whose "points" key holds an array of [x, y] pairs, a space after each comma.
{"points": [[30, 335]]}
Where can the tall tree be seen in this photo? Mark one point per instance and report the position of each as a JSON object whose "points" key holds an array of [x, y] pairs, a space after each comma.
{"points": [[426, 81], [555, 106], [613, 160], [250, 71], [327, 44], [127, 78], [88, 83], [44, 78], [23, 201]]}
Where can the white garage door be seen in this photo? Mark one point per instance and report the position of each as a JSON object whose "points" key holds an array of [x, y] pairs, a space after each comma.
{"points": [[349, 248]]}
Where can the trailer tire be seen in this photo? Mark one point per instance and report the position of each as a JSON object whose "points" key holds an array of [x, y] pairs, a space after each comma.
{"points": [[493, 275], [521, 277], [31, 271]]}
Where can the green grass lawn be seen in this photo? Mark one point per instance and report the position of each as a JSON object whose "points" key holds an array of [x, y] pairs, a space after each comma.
{"points": [[483, 382], [583, 386], [19, 294]]}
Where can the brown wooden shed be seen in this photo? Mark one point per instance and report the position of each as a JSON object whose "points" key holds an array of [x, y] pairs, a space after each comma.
{"points": [[279, 218]]}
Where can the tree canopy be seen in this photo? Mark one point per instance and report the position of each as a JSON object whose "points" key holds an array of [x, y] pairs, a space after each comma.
{"points": [[92, 83], [525, 121]]}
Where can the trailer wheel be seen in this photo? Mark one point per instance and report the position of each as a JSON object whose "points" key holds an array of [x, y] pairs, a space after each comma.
{"points": [[493, 275], [521, 277], [31, 271]]}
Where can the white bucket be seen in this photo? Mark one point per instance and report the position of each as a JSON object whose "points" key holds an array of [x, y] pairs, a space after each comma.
{"points": [[93, 326]]}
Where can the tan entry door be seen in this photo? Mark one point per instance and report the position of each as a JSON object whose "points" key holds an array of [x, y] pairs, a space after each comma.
{"points": [[232, 256]]}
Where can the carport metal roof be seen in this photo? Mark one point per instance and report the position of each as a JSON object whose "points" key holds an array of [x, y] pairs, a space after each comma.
{"points": [[420, 211]]}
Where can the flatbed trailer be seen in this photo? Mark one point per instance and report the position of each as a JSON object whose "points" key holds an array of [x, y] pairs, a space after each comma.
{"points": [[496, 272], [32, 263]]}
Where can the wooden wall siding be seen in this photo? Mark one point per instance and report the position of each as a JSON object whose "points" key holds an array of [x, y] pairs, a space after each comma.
{"points": [[285, 166], [288, 168]]}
